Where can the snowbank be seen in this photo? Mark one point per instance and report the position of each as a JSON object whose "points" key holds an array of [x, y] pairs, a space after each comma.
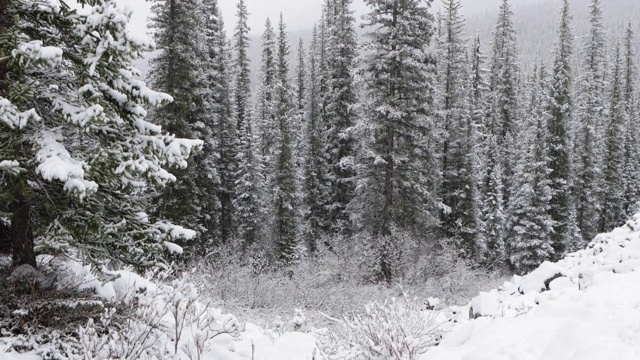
{"points": [[157, 312], [584, 307]]}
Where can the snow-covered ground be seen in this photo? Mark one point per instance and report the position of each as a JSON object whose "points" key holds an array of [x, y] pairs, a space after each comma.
{"points": [[590, 312], [585, 307]]}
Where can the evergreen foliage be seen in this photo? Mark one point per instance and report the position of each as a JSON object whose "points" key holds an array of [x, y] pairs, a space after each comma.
{"points": [[286, 232], [176, 70], [315, 168], [561, 112], [218, 118], [631, 164], [590, 112], [246, 200], [613, 212], [385, 149], [393, 175], [503, 84], [458, 192], [529, 225], [78, 154], [339, 117]]}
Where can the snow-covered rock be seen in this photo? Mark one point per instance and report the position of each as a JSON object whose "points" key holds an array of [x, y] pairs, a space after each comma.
{"points": [[485, 304], [23, 272]]}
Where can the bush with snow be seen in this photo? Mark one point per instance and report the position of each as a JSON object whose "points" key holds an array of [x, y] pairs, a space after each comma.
{"points": [[393, 330]]}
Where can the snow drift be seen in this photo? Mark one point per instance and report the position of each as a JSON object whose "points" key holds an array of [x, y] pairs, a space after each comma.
{"points": [[584, 307]]}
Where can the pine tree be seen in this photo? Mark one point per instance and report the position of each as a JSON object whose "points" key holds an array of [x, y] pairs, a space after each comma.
{"points": [[493, 208], [268, 132], [298, 120], [591, 111], [286, 237], [338, 114], [503, 84], [561, 112], [314, 166], [631, 166], [218, 118], [529, 225], [478, 108], [176, 70], [77, 151], [613, 212], [246, 199], [393, 177], [458, 191]]}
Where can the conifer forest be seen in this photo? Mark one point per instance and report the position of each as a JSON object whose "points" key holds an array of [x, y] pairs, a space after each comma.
{"points": [[383, 152], [402, 140]]}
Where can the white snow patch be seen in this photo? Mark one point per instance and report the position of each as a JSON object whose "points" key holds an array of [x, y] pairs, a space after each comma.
{"points": [[173, 248], [486, 304], [590, 313]]}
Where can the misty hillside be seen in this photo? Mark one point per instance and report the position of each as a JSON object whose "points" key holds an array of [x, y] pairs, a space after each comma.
{"points": [[536, 22]]}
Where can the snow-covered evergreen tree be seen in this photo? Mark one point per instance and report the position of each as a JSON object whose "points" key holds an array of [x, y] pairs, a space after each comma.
{"points": [[77, 151], [561, 112], [458, 191], [338, 114], [176, 70], [300, 104], [631, 165], [493, 208], [218, 116], [529, 225], [286, 232], [478, 108], [315, 189], [613, 212], [246, 201], [503, 84], [393, 176], [591, 107], [267, 130]]}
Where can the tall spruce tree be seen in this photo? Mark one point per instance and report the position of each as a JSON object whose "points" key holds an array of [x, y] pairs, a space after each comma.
{"points": [[77, 151], [218, 118], [561, 112], [504, 91], [299, 115], [613, 212], [268, 132], [591, 105], [493, 208], [246, 201], [286, 234], [478, 108], [529, 225], [339, 113], [458, 192], [176, 70], [315, 190], [393, 177], [631, 165]]}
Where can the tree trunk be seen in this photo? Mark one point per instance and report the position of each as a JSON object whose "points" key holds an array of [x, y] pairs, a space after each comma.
{"points": [[5, 239], [22, 246], [5, 24]]}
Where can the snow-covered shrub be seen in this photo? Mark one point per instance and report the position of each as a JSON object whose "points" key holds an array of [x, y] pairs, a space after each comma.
{"points": [[167, 321], [393, 330], [127, 316], [334, 282]]}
